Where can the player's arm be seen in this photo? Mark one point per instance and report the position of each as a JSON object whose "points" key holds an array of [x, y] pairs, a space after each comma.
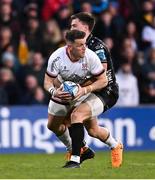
{"points": [[100, 81], [50, 75], [58, 93], [98, 72], [49, 84], [104, 65]]}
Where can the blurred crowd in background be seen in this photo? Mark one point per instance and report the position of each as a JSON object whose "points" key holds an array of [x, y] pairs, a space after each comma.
{"points": [[30, 30]]}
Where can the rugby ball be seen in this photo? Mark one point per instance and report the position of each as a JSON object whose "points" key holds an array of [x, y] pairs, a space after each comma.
{"points": [[70, 87]]}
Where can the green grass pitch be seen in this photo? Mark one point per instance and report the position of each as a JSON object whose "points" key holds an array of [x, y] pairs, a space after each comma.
{"points": [[42, 166]]}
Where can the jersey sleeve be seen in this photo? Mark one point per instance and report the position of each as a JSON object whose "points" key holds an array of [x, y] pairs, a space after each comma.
{"points": [[96, 65], [101, 54], [53, 66], [101, 50]]}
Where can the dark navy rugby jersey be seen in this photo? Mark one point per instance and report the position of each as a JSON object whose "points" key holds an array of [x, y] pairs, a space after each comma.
{"points": [[99, 47]]}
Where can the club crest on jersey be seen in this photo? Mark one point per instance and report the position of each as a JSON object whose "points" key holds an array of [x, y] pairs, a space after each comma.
{"points": [[84, 66], [64, 68]]}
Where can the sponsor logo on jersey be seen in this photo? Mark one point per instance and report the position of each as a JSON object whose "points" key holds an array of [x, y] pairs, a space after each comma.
{"points": [[101, 54]]}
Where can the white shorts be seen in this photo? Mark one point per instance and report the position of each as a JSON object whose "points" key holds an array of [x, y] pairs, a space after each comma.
{"points": [[92, 100]]}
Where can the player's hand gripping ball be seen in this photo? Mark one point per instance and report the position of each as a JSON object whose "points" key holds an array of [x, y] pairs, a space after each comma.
{"points": [[70, 87]]}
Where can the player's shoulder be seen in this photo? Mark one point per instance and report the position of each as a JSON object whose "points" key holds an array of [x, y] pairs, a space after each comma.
{"points": [[58, 53], [90, 52], [97, 43]]}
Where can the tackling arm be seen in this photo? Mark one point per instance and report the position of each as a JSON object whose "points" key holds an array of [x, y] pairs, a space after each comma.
{"points": [[100, 82]]}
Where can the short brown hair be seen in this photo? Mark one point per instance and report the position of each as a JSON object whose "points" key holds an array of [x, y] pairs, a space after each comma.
{"points": [[86, 18], [72, 35]]}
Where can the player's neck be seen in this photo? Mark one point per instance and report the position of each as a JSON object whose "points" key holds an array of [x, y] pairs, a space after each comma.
{"points": [[71, 56], [87, 35]]}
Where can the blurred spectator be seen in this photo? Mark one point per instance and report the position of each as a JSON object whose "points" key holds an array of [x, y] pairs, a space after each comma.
{"points": [[10, 86], [8, 17], [103, 27], [33, 34], [38, 97], [8, 60], [124, 51], [147, 12], [86, 6], [126, 8], [148, 79], [3, 96], [132, 34], [148, 34], [31, 10], [5, 38], [21, 5], [36, 68], [118, 22], [128, 87], [110, 44], [29, 87], [23, 51], [130, 55], [50, 7], [51, 38], [99, 5], [63, 17]]}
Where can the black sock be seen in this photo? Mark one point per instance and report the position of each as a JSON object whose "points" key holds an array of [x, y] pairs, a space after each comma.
{"points": [[83, 142], [77, 136]]}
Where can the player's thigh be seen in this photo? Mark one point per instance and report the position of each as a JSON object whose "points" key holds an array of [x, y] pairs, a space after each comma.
{"points": [[81, 113], [57, 109], [57, 114], [90, 123], [92, 106], [55, 121], [95, 104], [95, 130]]}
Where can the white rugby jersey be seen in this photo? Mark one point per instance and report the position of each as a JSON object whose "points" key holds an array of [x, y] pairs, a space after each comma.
{"points": [[59, 64]]}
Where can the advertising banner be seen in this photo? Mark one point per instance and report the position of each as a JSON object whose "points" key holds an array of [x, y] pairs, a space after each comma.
{"points": [[23, 129]]}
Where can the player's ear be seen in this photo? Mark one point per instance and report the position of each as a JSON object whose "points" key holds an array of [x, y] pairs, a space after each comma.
{"points": [[70, 46], [86, 28]]}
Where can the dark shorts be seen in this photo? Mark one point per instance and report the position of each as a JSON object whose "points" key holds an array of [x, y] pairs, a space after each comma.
{"points": [[109, 96]]}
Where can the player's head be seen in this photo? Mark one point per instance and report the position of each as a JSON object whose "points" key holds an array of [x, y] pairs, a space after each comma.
{"points": [[76, 42], [83, 21]]}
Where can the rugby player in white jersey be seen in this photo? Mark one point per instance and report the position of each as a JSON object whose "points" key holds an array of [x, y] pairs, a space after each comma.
{"points": [[85, 22], [76, 63]]}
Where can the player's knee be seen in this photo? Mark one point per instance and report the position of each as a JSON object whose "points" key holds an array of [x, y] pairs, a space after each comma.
{"points": [[76, 117], [57, 129], [92, 132], [49, 126]]}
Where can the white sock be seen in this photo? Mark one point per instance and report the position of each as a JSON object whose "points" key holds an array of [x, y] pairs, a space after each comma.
{"points": [[75, 158], [111, 142], [66, 140]]}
